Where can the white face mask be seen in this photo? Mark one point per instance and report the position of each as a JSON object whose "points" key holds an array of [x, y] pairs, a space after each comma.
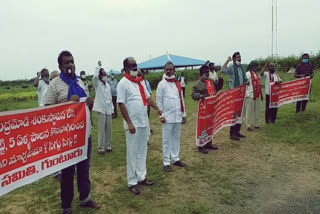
{"points": [[105, 78], [133, 73], [83, 76], [238, 63], [112, 76], [171, 77], [46, 79]]}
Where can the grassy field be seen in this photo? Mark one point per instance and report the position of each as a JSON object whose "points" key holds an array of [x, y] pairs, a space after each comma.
{"points": [[274, 170]]}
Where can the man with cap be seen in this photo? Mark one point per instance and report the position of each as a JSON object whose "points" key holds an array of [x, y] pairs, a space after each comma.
{"points": [[237, 77], [86, 82], [204, 88], [170, 101], [133, 97], [113, 82], [253, 94], [304, 69]]}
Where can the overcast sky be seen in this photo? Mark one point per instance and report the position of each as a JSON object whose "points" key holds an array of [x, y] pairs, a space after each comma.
{"points": [[34, 32]]}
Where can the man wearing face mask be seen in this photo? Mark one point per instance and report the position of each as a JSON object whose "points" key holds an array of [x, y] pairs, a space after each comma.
{"points": [[67, 87], [204, 88], [133, 97], [113, 82], [41, 84], [237, 77], [270, 76], [304, 69], [86, 82], [104, 108], [170, 101]]}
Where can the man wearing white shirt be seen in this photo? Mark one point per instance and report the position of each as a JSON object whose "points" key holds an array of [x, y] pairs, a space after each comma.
{"points": [[104, 108], [41, 84], [53, 75], [183, 83], [133, 97], [270, 76], [253, 93], [170, 101]]}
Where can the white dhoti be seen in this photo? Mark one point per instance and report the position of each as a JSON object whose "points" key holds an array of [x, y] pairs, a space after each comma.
{"points": [[136, 155], [252, 112], [170, 142]]}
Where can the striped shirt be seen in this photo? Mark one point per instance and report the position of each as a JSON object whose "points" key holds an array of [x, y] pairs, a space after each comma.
{"points": [[57, 92]]}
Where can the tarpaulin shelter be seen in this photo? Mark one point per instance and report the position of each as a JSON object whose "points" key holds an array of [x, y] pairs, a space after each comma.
{"points": [[178, 61]]}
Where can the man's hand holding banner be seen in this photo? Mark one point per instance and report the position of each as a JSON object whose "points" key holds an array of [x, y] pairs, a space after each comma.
{"points": [[37, 142], [216, 112], [289, 92]]}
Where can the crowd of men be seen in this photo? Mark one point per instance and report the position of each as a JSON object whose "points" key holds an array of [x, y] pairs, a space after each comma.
{"points": [[133, 96]]}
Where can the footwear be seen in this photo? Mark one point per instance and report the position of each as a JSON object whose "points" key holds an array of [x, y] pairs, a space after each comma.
{"points": [[202, 150], [257, 127], [241, 135], [67, 211], [134, 189], [90, 204], [250, 129], [236, 138], [146, 182], [108, 150], [212, 147], [151, 130], [167, 168], [101, 152], [179, 163]]}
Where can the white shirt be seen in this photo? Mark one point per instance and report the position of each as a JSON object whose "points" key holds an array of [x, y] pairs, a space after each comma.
{"points": [[42, 86], [128, 93], [103, 98], [182, 82], [267, 81], [249, 91], [213, 75], [168, 101]]}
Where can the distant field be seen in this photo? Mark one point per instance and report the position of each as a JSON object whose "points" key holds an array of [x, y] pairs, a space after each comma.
{"points": [[274, 170]]}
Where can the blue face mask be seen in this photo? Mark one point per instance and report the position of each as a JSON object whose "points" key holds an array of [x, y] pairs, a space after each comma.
{"points": [[305, 60]]}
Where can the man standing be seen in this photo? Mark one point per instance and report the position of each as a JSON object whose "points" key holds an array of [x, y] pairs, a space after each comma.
{"points": [[113, 82], [170, 101], [270, 76], [86, 82], [204, 88], [304, 69], [104, 108], [53, 75], [41, 84], [65, 88], [253, 93], [217, 81], [133, 97], [237, 77], [183, 83]]}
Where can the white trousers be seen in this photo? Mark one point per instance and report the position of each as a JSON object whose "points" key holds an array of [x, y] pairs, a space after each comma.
{"points": [[252, 112], [136, 155], [170, 142], [104, 132]]}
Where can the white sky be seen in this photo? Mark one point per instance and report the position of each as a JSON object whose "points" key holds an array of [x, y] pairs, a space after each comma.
{"points": [[34, 32]]}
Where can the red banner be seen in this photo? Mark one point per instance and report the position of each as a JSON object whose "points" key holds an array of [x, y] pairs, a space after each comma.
{"points": [[289, 92], [214, 113], [37, 142]]}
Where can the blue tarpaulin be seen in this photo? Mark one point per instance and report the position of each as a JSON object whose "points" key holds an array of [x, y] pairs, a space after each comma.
{"points": [[178, 61]]}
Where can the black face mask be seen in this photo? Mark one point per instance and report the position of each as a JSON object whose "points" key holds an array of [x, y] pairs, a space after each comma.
{"points": [[272, 70]]}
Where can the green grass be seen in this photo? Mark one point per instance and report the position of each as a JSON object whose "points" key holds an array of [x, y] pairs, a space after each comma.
{"points": [[221, 182]]}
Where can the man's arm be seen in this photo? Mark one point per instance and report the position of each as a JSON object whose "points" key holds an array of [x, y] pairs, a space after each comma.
{"points": [[125, 115], [153, 105], [36, 81], [224, 67], [263, 69]]}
